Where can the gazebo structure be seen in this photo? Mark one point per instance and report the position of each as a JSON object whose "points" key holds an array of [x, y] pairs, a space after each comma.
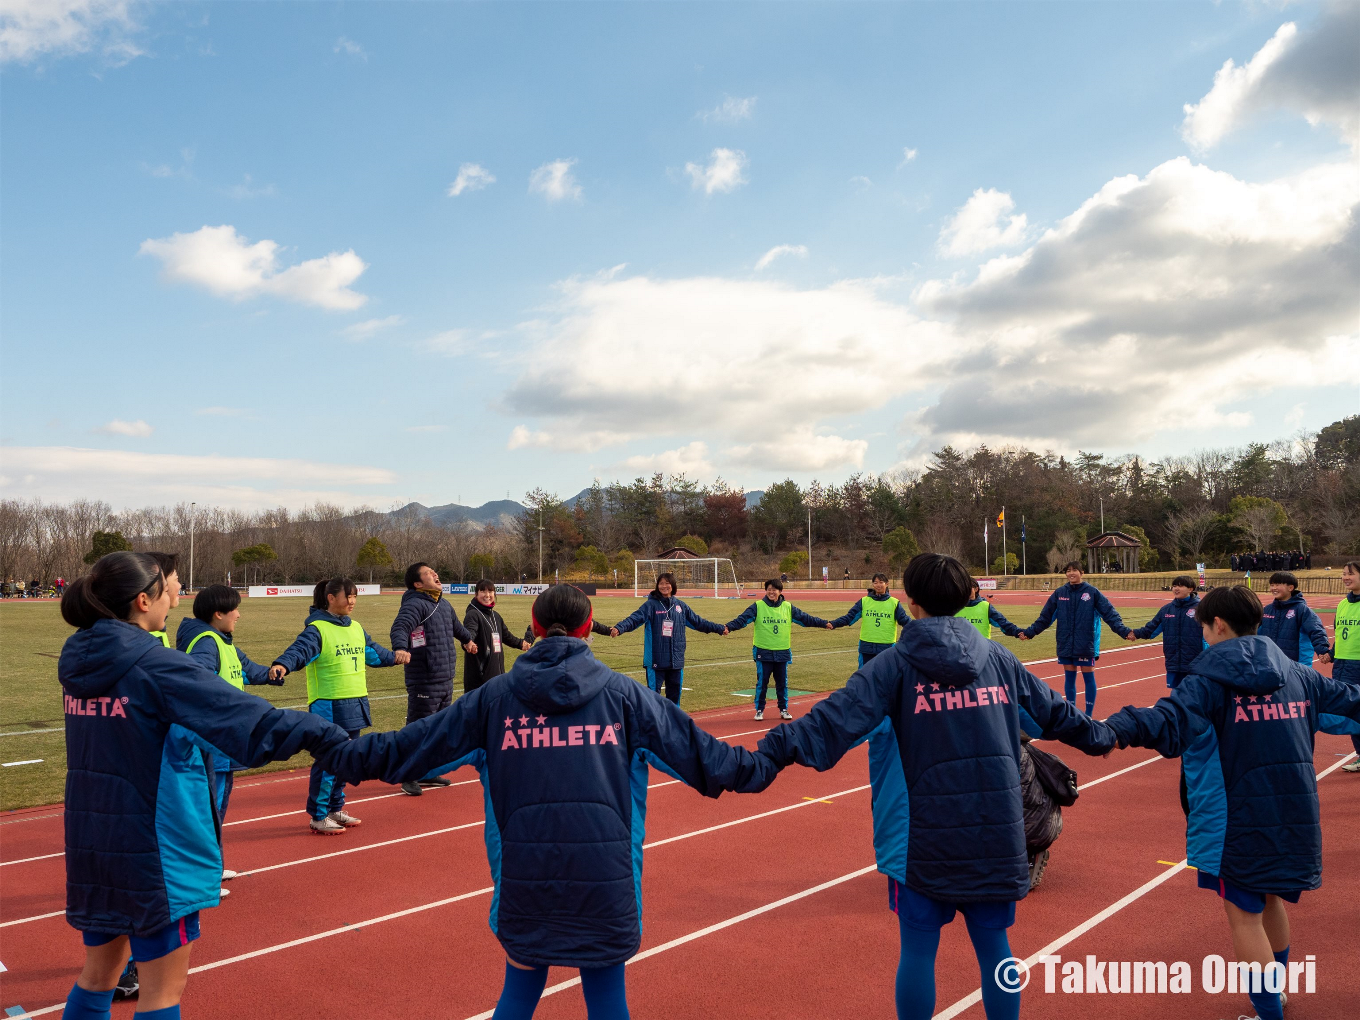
{"points": [[678, 553], [1127, 546]]}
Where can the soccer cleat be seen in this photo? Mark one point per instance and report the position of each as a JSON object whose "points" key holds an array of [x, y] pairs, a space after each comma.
{"points": [[760, 714], [326, 826], [784, 713], [1352, 767], [411, 789], [128, 982], [436, 781], [228, 874], [223, 893], [344, 818]]}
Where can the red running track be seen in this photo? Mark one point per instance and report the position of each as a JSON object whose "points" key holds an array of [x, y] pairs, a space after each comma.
{"points": [[762, 906]]}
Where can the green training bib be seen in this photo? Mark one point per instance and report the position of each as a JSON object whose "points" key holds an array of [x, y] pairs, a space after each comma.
{"points": [[162, 637], [977, 615], [339, 671], [228, 661], [1348, 630], [878, 620], [773, 626]]}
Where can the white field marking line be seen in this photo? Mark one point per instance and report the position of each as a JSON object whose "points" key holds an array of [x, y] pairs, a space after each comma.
{"points": [[361, 800], [692, 936], [24, 733], [1146, 761], [975, 997], [749, 818], [38, 917], [1332, 768], [30, 761], [26, 860]]}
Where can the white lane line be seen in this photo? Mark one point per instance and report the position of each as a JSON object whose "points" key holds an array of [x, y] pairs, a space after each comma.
{"points": [[359, 849], [751, 818], [361, 800], [743, 733], [25, 860], [1123, 683], [38, 917], [975, 996], [685, 939], [1096, 782], [1332, 768]]}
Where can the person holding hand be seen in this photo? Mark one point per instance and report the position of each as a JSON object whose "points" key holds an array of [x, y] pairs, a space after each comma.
{"points": [[942, 710], [336, 652], [563, 744], [664, 619], [879, 615]]}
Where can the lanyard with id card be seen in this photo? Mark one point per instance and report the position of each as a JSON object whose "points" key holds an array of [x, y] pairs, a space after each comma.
{"points": [[495, 640], [667, 626], [418, 638]]}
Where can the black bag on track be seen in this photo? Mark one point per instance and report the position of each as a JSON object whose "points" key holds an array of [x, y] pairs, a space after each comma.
{"points": [[1054, 775]]}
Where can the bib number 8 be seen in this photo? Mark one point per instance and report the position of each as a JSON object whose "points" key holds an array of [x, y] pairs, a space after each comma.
{"points": [[776, 628]]}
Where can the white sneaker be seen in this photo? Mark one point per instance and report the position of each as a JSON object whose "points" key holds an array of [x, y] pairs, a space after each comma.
{"points": [[760, 714], [1352, 767], [228, 874], [784, 713], [344, 818], [326, 826], [224, 892]]}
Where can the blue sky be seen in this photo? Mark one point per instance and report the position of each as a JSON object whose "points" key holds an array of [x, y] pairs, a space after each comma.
{"points": [[740, 240]]}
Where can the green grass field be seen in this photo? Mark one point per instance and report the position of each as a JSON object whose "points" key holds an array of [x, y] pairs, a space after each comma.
{"points": [[31, 636]]}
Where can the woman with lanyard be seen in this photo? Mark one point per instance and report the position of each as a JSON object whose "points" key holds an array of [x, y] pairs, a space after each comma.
{"points": [[665, 619], [335, 651]]}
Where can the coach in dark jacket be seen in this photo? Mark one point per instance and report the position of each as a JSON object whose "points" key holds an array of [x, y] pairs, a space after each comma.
{"points": [[664, 619], [428, 628], [490, 636]]}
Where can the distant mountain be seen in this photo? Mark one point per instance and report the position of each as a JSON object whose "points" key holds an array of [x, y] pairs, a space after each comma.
{"points": [[499, 511]]}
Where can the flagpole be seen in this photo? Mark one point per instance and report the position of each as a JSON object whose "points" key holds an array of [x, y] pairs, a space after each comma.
{"points": [[1024, 566], [986, 548], [1005, 563]]}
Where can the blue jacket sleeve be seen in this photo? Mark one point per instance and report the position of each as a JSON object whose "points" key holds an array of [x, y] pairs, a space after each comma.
{"points": [[375, 654], [1005, 625], [1171, 725], [747, 617], [1332, 697], [696, 622], [245, 728], [903, 617], [1045, 617], [1111, 615], [253, 672], [634, 619], [701, 761], [853, 615], [305, 647], [1058, 719], [405, 622], [836, 724], [1311, 627], [806, 620], [450, 736], [1153, 627]]}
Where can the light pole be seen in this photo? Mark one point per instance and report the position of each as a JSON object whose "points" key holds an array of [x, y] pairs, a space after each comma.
{"points": [[809, 512], [191, 545], [540, 545]]}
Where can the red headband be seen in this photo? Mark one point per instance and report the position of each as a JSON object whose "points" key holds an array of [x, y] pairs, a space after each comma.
{"points": [[579, 632]]}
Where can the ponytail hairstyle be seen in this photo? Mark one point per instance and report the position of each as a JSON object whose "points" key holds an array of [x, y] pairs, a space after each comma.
{"points": [[562, 611], [334, 586], [108, 591]]}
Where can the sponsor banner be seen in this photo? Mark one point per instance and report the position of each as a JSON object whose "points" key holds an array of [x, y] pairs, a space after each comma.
{"points": [[292, 591], [501, 589], [986, 583], [458, 589]]}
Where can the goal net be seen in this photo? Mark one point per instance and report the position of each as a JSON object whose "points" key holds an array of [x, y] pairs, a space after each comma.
{"points": [[713, 576]]}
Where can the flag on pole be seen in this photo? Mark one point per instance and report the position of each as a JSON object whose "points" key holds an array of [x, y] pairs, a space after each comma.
{"points": [[1001, 518], [1022, 531], [984, 531]]}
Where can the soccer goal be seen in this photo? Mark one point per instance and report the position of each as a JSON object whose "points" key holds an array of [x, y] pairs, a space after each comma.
{"points": [[710, 573]]}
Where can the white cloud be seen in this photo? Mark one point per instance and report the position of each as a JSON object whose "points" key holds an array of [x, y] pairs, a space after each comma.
{"points": [[690, 459], [1315, 73], [800, 449], [725, 171], [249, 189], [31, 28], [371, 327], [861, 181], [1161, 299], [449, 342], [730, 110], [138, 479], [907, 156], [185, 168], [977, 226], [831, 352], [137, 429], [350, 47], [781, 249], [471, 177], [223, 262], [555, 181]]}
